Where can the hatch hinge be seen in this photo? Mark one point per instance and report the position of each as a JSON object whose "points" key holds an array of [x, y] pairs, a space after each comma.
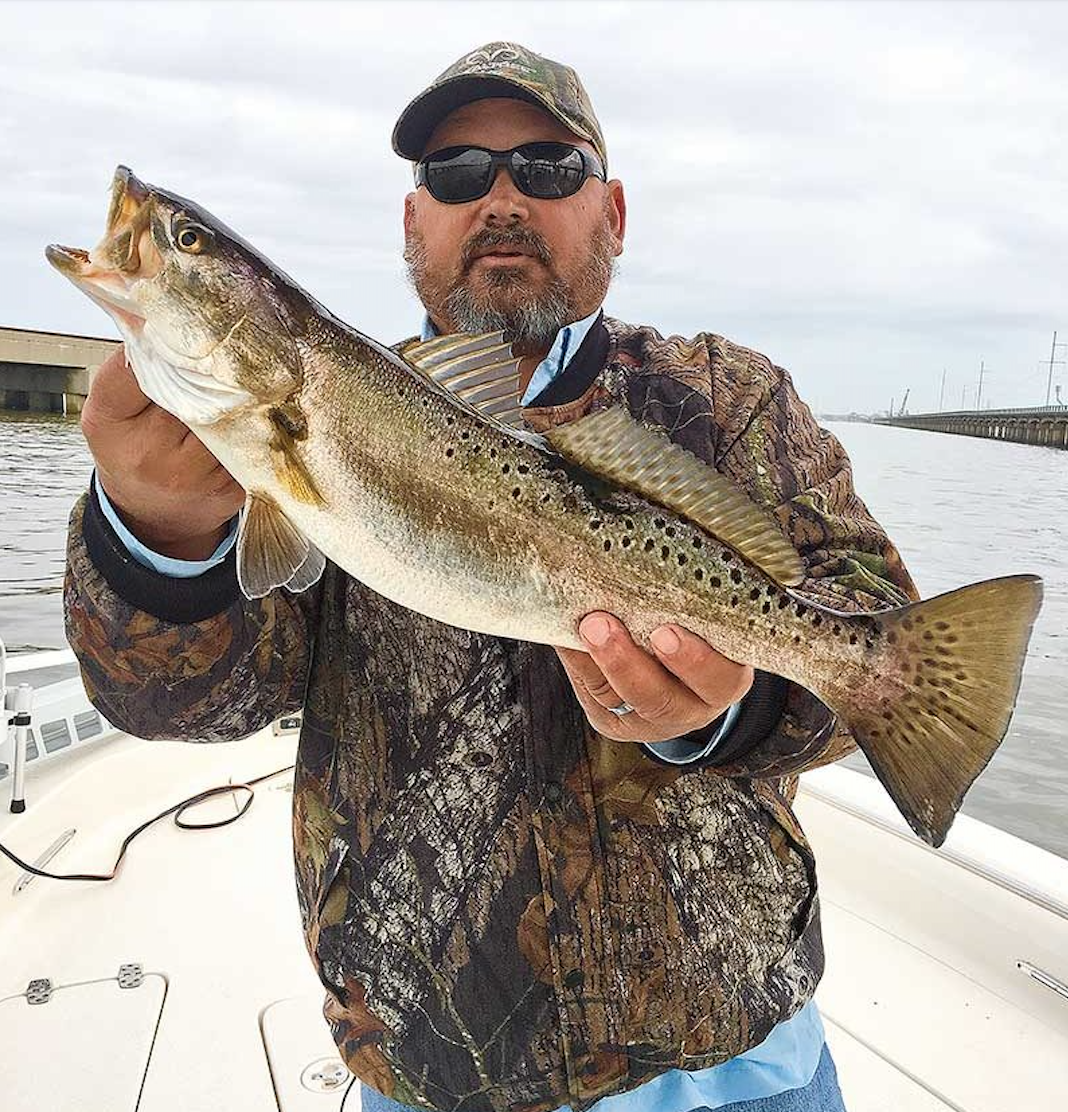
{"points": [[131, 975], [39, 991]]}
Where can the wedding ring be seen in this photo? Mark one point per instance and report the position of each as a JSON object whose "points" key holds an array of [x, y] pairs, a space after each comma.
{"points": [[622, 709]]}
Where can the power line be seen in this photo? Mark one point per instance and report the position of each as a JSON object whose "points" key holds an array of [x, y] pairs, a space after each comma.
{"points": [[1052, 353]]}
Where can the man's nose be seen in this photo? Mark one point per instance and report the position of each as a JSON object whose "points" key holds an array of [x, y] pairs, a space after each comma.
{"points": [[504, 203]]}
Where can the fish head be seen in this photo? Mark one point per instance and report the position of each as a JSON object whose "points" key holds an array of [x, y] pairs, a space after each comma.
{"points": [[207, 322]]}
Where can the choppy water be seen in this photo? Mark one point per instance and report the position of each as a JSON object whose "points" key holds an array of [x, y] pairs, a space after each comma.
{"points": [[959, 509]]}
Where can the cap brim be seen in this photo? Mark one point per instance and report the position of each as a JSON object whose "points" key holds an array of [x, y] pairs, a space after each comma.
{"points": [[418, 120]]}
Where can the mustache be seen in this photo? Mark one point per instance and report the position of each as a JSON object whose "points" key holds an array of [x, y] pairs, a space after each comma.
{"points": [[487, 239]]}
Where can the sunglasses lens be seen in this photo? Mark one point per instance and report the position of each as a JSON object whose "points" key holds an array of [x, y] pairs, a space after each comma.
{"points": [[548, 170], [460, 174], [543, 170]]}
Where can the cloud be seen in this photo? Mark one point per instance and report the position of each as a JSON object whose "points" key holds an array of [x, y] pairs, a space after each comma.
{"points": [[866, 192]]}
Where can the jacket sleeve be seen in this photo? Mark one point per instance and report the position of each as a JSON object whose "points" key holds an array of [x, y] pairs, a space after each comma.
{"points": [[772, 445], [184, 659]]}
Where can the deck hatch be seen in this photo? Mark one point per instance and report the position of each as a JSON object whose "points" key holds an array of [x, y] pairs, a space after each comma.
{"points": [[102, 1032]]}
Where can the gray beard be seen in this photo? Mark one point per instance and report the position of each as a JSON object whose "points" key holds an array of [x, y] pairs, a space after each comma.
{"points": [[532, 322]]}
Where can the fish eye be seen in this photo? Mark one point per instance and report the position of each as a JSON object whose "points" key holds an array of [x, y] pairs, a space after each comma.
{"points": [[192, 238]]}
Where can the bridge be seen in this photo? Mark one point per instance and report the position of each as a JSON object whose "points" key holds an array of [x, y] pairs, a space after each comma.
{"points": [[1044, 425], [48, 372]]}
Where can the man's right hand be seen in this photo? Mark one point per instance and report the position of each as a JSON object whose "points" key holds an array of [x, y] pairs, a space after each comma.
{"points": [[169, 490]]}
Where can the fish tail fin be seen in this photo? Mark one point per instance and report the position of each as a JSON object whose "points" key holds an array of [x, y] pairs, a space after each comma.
{"points": [[947, 684]]}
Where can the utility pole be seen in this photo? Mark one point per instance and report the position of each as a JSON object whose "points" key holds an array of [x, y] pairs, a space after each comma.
{"points": [[979, 396], [942, 392], [1052, 360]]}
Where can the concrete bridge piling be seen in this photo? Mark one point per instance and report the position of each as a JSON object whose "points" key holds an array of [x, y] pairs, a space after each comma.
{"points": [[48, 372], [1044, 425]]}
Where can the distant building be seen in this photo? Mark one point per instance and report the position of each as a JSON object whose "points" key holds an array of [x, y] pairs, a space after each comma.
{"points": [[48, 372]]}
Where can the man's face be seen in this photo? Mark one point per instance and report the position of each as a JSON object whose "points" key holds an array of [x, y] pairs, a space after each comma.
{"points": [[462, 258]]}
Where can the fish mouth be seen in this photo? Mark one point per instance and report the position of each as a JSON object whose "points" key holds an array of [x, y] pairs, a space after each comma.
{"points": [[129, 195], [124, 255], [69, 260]]}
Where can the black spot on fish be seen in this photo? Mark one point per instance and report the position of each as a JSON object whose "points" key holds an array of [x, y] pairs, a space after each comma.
{"points": [[649, 545], [625, 542], [754, 594], [736, 575], [595, 523], [697, 542], [515, 492], [682, 558], [493, 453], [715, 581], [698, 573], [522, 468], [450, 452], [607, 545], [665, 552], [734, 600], [670, 531], [506, 468]]}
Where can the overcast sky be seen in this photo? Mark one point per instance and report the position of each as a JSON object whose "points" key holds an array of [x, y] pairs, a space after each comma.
{"points": [[866, 193]]}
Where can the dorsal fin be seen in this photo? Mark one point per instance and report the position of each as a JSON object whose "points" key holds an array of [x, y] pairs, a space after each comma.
{"points": [[479, 369], [613, 445]]}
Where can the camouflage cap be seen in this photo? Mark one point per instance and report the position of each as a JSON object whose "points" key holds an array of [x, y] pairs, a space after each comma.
{"points": [[499, 69]]}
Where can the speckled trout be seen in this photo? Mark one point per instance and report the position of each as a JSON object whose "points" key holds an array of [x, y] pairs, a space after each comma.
{"points": [[403, 470]]}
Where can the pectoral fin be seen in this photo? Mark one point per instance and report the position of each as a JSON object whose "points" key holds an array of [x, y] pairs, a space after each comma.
{"points": [[289, 430], [272, 552], [611, 444]]}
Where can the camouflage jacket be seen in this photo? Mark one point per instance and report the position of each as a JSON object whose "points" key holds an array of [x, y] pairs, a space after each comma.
{"points": [[507, 910]]}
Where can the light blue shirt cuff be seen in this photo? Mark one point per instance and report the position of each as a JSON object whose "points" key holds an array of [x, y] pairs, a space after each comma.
{"points": [[155, 561], [682, 751]]}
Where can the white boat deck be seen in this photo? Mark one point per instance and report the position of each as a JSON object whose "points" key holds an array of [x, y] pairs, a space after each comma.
{"points": [[924, 1004]]}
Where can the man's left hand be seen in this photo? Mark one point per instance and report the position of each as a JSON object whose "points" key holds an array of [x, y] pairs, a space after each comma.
{"points": [[684, 687]]}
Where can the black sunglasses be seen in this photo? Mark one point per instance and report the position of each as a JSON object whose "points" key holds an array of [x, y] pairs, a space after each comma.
{"points": [[542, 170]]}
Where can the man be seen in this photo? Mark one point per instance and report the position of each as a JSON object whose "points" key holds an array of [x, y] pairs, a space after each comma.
{"points": [[509, 906]]}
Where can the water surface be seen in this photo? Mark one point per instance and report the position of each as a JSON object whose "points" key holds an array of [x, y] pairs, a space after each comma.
{"points": [[960, 509]]}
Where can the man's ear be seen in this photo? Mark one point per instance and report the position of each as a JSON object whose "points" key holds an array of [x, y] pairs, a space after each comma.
{"points": [[617, 209]]}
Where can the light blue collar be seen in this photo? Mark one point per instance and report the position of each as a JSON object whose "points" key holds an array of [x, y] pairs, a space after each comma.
{"points": [[568, 341]]}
